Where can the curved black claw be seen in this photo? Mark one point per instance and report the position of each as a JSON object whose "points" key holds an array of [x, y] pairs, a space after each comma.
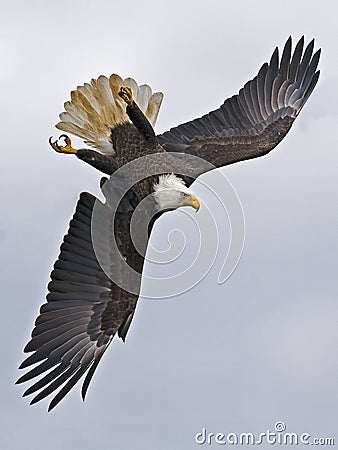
{"points": [[54, 145]]}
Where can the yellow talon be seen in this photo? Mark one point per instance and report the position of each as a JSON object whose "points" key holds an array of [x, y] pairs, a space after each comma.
{"points": [[127, 94], [63, 149]]}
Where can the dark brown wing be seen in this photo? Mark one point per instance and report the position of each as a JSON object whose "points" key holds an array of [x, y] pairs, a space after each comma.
{"points": [[84, 308], [253, 122]]}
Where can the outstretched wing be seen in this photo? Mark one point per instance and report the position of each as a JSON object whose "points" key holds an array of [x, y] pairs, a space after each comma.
{"points": [[84, 308], [253, 122]]}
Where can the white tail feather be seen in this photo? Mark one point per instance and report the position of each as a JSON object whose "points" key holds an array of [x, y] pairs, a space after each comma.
{"points": [[96, 108]]}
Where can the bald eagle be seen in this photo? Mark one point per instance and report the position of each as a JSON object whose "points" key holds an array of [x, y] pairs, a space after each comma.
{"points": [[87, 303]]}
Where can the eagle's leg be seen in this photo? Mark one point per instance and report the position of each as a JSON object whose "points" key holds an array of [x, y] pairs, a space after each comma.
{"points": [[68, 149], [103, 163], [137, 117]]}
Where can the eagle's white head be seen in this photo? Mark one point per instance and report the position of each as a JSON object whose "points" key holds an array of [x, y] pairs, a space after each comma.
{"points": [[171, 193]]}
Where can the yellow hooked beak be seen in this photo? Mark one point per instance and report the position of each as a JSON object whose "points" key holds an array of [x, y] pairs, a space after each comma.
{"points": [[192, 201]]}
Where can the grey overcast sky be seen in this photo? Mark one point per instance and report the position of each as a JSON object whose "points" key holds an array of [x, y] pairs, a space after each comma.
{"points": [[236, 357]]}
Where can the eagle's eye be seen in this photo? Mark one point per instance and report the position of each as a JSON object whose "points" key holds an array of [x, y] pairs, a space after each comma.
{"points": [[184, 195]]}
